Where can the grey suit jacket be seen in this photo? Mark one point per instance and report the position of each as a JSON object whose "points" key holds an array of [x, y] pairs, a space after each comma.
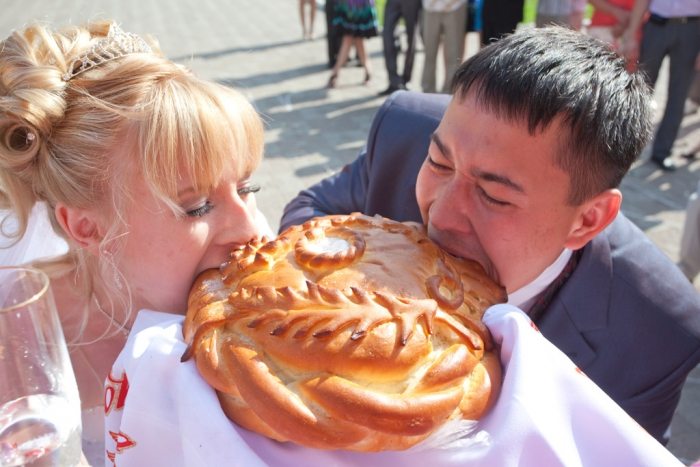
{"points": [[627, 316]]}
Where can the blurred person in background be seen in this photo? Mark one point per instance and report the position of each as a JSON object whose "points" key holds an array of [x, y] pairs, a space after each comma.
{"points": [[357, 20], [394, 12], [307, 25], [444, 23], [499, 17], [692, 103], [333, 34], [672, 30], [690, 239], [567, 13], [609, 21]]}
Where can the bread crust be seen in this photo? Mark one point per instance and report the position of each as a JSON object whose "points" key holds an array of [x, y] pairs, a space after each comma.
{"points": [[348, 332]]}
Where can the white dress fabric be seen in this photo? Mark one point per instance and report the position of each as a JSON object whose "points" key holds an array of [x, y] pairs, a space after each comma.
{"points": [[159, 411], [39, 241]]}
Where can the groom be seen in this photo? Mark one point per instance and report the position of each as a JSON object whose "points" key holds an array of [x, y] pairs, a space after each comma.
{"points": [[519, 170]]}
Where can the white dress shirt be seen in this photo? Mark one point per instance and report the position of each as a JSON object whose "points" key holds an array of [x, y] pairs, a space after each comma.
{"points": [[526, 295]]}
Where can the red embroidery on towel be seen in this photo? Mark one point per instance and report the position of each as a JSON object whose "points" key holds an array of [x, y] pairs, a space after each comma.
{"points": [[123, 441], [115, 392]]}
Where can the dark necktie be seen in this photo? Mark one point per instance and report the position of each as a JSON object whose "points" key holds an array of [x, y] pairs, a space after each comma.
{"points": [[545, 298]]}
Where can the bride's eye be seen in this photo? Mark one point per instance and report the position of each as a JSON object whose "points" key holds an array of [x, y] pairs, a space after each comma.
{"points": [[248, 188], [200, 210]]}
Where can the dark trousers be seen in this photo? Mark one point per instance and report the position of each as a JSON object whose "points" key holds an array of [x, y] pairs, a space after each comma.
{"points": [[681, 42], [394, 11], [500, 17], [333, 35]]}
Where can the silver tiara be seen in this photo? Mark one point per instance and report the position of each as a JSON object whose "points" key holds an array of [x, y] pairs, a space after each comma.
{"points": [[116, 45]]}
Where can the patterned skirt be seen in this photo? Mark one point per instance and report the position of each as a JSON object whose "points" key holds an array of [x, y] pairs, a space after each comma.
{"points": [[356, 17]]}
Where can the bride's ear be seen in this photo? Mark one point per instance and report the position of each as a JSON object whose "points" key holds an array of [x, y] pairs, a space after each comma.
{"points": [[80, 225]]}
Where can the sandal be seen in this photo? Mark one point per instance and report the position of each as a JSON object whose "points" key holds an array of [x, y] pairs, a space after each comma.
{"points": [[332, 80], [368, 78]]}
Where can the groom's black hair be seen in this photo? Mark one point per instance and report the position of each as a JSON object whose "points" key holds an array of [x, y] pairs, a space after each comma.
{"points": [[542, 75]]}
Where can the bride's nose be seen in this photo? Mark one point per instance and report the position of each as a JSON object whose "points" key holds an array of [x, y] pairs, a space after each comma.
{"points": [[240, 219]]}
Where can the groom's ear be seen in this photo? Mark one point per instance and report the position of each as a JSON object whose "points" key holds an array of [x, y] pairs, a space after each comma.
{"points": [[80, 225], [594, 216]]}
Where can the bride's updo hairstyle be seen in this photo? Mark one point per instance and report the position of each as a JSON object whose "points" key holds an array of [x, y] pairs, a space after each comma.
{"points": [[72, 104]]}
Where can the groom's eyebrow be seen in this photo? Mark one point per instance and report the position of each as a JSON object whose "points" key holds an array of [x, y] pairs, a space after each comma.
{"points": [[477, 173], [497, 178], [435, 138]]}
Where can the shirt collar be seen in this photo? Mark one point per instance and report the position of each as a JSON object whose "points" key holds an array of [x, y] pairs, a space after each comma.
{"points": [[525, 296]]}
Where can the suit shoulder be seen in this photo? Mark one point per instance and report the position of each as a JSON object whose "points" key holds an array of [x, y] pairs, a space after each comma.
{"points": [[650, 276], [428, 106]]}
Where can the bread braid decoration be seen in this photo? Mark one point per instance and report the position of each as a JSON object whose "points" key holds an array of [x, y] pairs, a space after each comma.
{"points": [[347, 332]]}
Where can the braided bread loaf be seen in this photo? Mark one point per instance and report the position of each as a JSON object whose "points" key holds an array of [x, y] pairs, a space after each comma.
{"points": [[349, 332]]}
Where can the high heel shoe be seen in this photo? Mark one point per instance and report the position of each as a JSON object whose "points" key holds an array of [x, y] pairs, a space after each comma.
{"points": [[332, 80], [368, 78]]}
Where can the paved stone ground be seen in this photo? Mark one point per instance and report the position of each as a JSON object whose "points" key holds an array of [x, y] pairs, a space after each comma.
{"points": [[256, 46]]}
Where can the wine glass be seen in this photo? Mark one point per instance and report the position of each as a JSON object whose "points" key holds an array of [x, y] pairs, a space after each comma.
{"points": [[39, 403]]}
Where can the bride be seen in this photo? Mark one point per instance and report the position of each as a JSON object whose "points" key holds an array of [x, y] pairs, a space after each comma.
{"points": [[123, 176]]}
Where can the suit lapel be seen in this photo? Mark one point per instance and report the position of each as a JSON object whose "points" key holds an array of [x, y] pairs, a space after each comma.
{"points": [[581, 304]]}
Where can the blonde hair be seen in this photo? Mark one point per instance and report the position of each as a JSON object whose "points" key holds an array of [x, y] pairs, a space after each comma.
{"points": [[58, 138]]}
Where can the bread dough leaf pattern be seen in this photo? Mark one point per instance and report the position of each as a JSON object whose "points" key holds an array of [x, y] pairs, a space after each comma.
{"points": [[348, 332]]}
